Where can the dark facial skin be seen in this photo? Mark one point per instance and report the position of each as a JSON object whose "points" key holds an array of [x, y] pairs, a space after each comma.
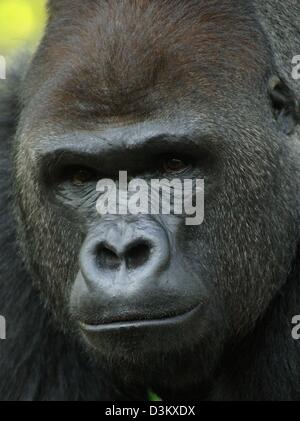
{"points": [[120, 86]]}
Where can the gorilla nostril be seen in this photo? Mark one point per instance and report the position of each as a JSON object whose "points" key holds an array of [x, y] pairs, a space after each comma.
{"points": [[137, 255], [107, 258]]}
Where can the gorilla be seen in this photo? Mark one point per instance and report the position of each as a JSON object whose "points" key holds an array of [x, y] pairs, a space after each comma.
{"points": [[108, 307]]}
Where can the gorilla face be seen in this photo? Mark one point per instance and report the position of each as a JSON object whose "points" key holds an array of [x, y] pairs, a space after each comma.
{"points": [[159, 92]]}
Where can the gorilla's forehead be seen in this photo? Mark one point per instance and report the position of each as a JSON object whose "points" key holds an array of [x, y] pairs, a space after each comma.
{"points": [[112, 58]]}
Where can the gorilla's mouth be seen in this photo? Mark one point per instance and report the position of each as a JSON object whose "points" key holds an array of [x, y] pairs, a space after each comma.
{"points": [[142, 321]]}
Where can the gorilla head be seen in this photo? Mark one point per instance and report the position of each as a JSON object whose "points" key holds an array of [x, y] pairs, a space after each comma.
{"points": [[169, 89]]}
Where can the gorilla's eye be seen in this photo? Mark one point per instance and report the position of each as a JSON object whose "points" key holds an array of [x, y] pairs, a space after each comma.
{"points": [[174, 165], [80, 176]]}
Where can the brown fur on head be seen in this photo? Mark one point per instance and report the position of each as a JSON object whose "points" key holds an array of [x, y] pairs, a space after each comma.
{"points": [[123, 57]]}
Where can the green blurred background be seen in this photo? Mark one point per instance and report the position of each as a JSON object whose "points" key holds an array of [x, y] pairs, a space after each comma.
{"points": [[21, 22]]}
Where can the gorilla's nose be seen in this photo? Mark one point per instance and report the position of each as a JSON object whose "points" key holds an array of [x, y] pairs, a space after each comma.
{"points": [[121, 254], [133, 255]]}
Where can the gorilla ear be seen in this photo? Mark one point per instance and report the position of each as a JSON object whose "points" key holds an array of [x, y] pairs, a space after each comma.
{"points": [[285, 105]]}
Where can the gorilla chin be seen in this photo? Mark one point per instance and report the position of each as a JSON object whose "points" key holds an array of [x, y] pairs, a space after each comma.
{"points": [[117, 322], [139, 347]]}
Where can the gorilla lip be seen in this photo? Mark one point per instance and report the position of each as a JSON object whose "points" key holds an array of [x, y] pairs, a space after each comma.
{"points": [[134, 324]]}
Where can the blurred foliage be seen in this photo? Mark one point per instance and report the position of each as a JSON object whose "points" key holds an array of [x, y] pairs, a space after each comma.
{"points": [[21, 22], [153, 397]]}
